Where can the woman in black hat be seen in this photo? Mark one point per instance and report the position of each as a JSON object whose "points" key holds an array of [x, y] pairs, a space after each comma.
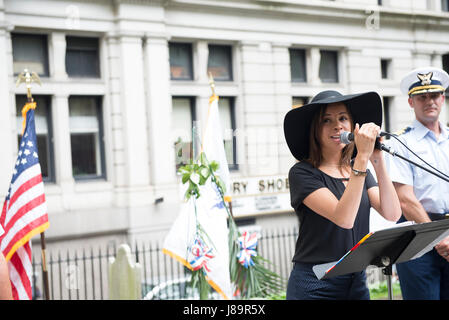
{"points": [[332, 190]]}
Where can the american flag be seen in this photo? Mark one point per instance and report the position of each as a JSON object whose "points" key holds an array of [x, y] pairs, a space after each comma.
{"points": [[24, 211]]}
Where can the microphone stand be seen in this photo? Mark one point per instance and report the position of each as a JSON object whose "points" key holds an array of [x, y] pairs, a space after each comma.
{"points": [[348, 137], [385, 148]]}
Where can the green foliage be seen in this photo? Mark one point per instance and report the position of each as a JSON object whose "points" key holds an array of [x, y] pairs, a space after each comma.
{"points": [[277, 296], [380, 292], [199, 281], [254, 281], [196, 174]]}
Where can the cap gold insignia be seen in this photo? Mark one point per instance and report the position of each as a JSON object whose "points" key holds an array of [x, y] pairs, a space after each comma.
{"points": [[425, 79]]}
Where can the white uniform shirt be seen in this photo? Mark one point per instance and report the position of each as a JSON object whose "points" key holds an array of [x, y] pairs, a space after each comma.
{"points": [[431, 191]]}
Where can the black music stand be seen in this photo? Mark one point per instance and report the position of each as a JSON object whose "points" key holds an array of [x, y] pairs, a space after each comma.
{"points": [[386, 247]]}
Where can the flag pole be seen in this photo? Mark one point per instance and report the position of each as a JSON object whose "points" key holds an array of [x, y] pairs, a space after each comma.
{"points": [[227, 199], [44, 267], [212, 83], [28, 78]]}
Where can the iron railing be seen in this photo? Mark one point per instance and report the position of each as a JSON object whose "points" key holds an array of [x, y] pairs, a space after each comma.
{"points": [[83, 274]]}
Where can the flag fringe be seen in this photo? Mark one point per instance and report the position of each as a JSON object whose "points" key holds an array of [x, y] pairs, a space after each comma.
{"points": [[176, 257], [25, 239], [25, 109], [217, 288], [185, 263]]}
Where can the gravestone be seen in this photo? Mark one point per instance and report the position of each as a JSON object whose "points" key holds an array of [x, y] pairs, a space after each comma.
{"points": [[124, 276]]}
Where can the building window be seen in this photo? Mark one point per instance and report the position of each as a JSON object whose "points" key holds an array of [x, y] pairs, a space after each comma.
{"points": [[86, 137], [44, 136], [385, 68], [298, 65], [30, 52], [329, 66], [181, 67], [183, 115], [386, 115], [220, 62], [226, 109], [446, 68], [445, 5], [299, 101], [82, 57]]}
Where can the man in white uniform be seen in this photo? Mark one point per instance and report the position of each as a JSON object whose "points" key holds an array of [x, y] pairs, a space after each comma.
{"points": [[423, 196]]}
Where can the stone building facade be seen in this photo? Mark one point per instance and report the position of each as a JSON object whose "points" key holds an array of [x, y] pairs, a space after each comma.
{"points": [[123, 81]]}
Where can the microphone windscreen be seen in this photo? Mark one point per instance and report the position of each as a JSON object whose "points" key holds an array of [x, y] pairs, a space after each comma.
{"points": [[346, 137]]}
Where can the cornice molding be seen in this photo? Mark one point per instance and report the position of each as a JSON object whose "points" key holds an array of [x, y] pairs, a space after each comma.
{"points": [[322, 9]]}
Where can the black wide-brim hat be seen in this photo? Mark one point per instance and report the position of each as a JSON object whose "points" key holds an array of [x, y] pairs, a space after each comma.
{"points": [[364, 107]]}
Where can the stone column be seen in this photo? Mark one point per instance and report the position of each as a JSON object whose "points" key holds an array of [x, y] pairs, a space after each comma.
{"points": [[202, 101], [7, 120], [62, 147], [118, 159], [283, 101], [58, 53], [134, 121], [159, 108], [313, 77]]}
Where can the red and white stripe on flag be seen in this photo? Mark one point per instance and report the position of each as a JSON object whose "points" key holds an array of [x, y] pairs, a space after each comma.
{"points": [[24, 212], [20, 271]]}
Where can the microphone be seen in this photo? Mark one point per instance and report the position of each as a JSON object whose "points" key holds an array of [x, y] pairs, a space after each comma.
{"points": [[347, 137]]}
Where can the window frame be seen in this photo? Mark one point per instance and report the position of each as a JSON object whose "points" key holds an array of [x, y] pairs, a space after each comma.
{"points": [[101, 139], [85, 49], [306, 100], [386, 101], [190, 60], [445, 5], [304, 62], [445, 65], [232, 166], [193, 115], [337, 68], [229, 53], [385, 68], [46, 63], [51, 169]]}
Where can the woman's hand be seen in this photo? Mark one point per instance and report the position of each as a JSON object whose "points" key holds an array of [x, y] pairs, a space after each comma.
{"points": [[365, 138]]}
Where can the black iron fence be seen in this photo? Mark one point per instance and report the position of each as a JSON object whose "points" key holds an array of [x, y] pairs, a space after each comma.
{"points": [[83, 274]]}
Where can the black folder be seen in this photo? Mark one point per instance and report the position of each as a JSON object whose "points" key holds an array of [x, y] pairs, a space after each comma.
{"points": [[385, 247]]}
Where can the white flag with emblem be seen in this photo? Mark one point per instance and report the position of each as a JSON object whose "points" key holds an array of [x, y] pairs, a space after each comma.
{"points": [[209, 253]]}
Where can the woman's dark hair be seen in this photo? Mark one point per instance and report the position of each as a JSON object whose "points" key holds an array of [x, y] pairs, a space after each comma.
{"points": [[315, 156]]}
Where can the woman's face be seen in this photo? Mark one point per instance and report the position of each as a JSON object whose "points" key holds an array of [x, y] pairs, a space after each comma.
{"points": [[335, 120]]}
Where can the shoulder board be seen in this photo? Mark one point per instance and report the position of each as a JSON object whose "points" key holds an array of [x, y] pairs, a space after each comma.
{"points": [[403, 130]]}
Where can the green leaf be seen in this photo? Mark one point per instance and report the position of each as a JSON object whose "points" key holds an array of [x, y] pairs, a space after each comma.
{"points": [[214, 166], [203, 159], [221, 185], [205, 173], [185, 177], [195, 178]]}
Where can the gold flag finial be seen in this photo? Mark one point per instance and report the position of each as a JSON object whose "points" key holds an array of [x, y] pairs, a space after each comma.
{"points": [[28, 77], [212, 83]]}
